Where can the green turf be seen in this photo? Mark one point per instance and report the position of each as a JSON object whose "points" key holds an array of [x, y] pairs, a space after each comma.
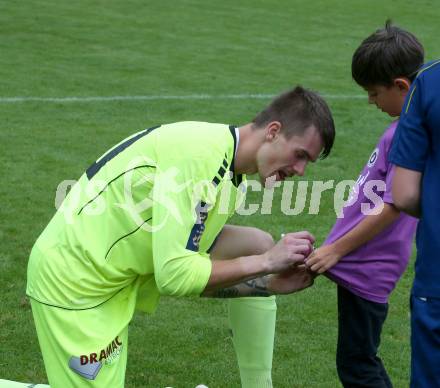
{"points": [[111, 48]]}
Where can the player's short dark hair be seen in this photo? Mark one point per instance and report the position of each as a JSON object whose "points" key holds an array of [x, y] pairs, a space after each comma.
{"points": [[389, 53], [297, 110]]}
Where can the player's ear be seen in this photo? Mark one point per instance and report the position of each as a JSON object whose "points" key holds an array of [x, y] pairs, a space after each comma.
{"points": [[272, 130], [403, 84]]}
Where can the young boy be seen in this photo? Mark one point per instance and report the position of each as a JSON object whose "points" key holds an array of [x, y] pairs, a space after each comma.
{"points": [[366, 254]]}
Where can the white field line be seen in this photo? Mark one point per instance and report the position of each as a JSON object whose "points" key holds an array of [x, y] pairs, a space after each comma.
{"points": [[12, 100]]}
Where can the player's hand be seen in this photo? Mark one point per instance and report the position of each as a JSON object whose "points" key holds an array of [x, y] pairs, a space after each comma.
{"points": [[322, 259], [292, 249], [292, 280]]}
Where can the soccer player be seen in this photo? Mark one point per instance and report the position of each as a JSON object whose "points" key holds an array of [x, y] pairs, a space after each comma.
{"points": [[148, 219], [416, 191], [368, 250]]}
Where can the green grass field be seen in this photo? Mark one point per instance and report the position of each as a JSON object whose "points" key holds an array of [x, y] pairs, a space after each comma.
{"points": [[58, 49]]}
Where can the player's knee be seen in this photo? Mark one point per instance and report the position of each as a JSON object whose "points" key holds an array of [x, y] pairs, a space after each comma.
{"points": [[263, 241]]}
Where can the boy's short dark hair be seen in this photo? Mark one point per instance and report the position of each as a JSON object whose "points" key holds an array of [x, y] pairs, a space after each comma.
{"points": [[389, 53], [298, 109]]}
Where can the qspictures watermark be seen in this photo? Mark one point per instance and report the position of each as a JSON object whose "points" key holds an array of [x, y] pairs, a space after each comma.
{"points": [[89, 198]]}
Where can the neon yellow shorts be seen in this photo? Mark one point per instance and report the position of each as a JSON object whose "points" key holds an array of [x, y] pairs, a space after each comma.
{"points": [[85, 348]]}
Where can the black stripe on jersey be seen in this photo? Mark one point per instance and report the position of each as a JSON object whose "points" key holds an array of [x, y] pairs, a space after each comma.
{"points": [[108, 184], [232, 130], [95, 167], [198, 228], [72, 309], [126, 235], [221, 172], [236, 179]]}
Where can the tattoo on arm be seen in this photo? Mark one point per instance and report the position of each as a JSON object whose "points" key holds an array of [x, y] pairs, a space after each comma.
{"points": [[253, 287]]}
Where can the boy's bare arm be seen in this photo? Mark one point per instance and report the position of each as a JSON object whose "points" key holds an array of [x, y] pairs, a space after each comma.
{"points": [[327, 256]]}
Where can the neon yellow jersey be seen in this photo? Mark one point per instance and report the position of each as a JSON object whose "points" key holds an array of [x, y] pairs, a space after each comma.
{"points": [[146, 212]]}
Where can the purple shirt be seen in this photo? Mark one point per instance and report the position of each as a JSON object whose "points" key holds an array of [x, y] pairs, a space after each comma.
{"points": [[372, 270]]}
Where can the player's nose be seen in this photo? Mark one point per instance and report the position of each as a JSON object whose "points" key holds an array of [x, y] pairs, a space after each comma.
{"points": [[300, 168]]}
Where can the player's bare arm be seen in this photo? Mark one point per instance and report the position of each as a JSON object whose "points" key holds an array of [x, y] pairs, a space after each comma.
{"points": [[406, 190], [288, 252], [324, 258], [292, 280], [253, 287]]}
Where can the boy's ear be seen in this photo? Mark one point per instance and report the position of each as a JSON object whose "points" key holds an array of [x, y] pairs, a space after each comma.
{"points": [[403, 84]]}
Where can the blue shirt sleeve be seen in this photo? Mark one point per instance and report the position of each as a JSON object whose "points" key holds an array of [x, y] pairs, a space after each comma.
{"points": [[411, 141]]}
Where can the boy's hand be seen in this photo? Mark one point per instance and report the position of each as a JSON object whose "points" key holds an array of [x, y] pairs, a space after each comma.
{"points": [[322, 259]]}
